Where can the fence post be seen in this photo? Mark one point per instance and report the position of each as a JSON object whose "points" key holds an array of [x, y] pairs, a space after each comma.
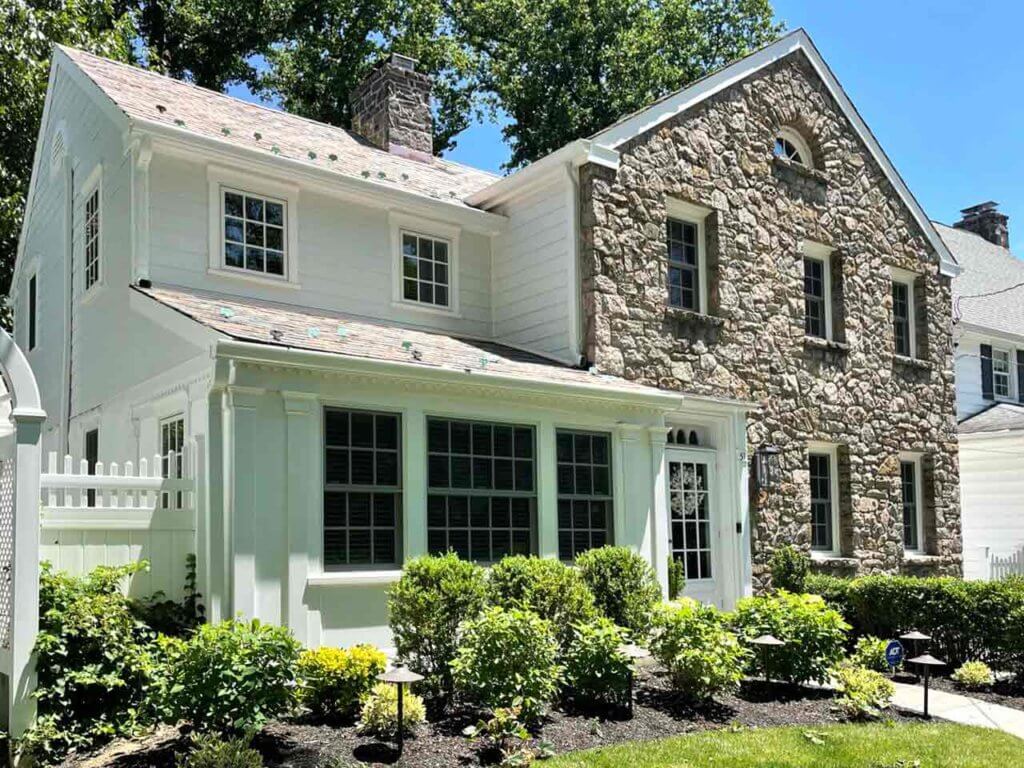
{"points": [[986, 564]]}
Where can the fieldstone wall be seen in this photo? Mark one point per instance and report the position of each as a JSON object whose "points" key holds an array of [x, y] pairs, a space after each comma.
{"points": [[751, 345], [391, 108]]}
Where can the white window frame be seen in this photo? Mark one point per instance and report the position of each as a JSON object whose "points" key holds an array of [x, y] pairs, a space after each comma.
{"points": [[908, 279], [404, 224], [220, 179], [93, 186], [917, 460], [1011, 379], [798, 143], [690, 213], [823, 253], [832, 451], [32, 311]]}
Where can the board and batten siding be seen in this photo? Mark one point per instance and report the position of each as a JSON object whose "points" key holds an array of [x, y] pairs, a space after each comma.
{"points": [[992, 497], [534, 277], [345, 254]]}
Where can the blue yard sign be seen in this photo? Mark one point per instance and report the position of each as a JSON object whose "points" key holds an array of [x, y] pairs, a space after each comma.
{"points": [[894, 653]]}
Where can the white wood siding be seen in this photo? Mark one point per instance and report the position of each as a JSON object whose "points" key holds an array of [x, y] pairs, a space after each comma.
{"points": [[991, 497], [968, 376], [534, 272]]}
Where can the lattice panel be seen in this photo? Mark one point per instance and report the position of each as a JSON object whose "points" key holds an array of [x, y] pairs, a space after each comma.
{"points": [[7, 472]]}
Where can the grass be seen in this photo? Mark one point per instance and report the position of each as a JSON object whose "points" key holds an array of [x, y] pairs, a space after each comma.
{"points": [[838, 746]]}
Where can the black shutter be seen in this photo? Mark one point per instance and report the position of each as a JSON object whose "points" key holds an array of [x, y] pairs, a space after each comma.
{"points": [[1020, 375], [987, 390]]}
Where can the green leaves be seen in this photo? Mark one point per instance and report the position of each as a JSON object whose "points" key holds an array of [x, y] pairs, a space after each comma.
{"points": [[623, 584]]}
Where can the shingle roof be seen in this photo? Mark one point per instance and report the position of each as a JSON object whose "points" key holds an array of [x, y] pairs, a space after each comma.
{"points": [[987, 269], [1003, 417], [144, 95], [295, 327]]}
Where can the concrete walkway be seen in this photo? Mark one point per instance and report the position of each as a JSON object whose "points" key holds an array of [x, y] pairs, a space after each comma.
{"points": [[960, 709]]}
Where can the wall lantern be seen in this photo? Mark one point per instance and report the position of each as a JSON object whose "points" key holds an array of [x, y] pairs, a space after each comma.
{"points": [[766, 467]]}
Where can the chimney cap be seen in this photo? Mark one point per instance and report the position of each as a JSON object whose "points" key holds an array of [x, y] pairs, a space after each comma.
{"points": [[974, 210], [401, 62]]}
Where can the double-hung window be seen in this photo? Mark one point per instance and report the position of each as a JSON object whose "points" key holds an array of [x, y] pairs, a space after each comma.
{"points": [[426, 270], [254, 232], [362, 489], [92, 238], [683, 265], [817, 263], [910, 502], [584, 492], [172, 444], [1002, 372], [901, 323], [824, 499], [481, 496]]}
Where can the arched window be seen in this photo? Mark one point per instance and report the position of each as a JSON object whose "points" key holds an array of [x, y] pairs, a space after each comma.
{"points": [[790, 145]]}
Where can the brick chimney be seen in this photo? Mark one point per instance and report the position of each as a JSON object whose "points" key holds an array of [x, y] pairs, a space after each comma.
{"points": [[985, 219], [391, 108]]}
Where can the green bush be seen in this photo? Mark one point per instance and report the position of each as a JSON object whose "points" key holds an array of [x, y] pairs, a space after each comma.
{"points": [[379, 714], [174, 617], [973, 675], [966, 619], [230, 677], [333, 680], [813, 632], [212, 750], [790, 568], [863, 693], [624, 586], [506, 740], [1012, 645], [595, 670], [676, 577], [869, 652], [426, 606], [546, 586], [701, 655], [508, 657], [96, 663]]}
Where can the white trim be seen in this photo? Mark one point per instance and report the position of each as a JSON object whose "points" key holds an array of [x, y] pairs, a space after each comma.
{"points": [[909, 279], [832, 451], [691, 213], [220, 178], [798, 40], [916, 459], [822, 253], [399, 223], [1011, 379]]}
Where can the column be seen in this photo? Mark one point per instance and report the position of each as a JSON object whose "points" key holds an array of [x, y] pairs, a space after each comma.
{"points": [[658, 438], [301, 494], [547, 490], [240, 472], [414, 484]]}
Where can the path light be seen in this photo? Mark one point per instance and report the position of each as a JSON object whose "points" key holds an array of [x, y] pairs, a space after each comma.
{"points": [[401, 677], [767, 642], [633, 654], [927, 661], [916, 637]]}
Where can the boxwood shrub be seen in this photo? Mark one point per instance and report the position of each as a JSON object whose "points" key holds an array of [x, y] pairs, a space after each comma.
{"points": [[966, 620], [624, 586]]}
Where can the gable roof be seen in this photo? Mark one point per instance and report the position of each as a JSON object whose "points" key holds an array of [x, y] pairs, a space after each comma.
{"points": [[980, 295], [150, 99], [649, 117]]}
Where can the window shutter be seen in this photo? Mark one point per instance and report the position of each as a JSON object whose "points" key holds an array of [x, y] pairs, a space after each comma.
{"points": [[1020, 375], [987, 390]]}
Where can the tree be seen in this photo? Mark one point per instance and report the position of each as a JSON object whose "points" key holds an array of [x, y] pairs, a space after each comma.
{"points": [[30, 28], [562, 69]]}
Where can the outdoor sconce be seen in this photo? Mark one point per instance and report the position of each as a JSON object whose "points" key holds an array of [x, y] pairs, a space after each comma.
{"points": [[766, 467]]}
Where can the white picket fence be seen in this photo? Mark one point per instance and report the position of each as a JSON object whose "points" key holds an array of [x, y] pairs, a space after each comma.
{"points": [[121, 513], [1001, 566]]}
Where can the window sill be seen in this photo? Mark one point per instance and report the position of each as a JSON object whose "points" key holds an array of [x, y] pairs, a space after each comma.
{"points": [[911, 362], [689, 317], [239, 274], [833, 559], [89, 294], [921, 558], [430, 310], [801, 170], [816, 342], [353, 578]]}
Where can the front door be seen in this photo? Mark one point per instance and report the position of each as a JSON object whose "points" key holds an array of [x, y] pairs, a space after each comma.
{"points": [[694, 538]]}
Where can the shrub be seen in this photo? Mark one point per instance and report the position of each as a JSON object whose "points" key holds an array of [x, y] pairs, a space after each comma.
{"points": [[174, 617], [595, 671], [505, 738], [333, 680], [813, 632], [701, 655], [965, 619], [508, 657], [676, 577], [232, 676], [790, 568], [96, 662], [973, 675], [1013, 644], [426, 606], [863, 693], [379, 714], [546, 586], [214, 751], [624, 586], [869, 652]]}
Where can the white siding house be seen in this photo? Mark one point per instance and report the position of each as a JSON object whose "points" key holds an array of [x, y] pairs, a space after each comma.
{"points": [[989, 333]]}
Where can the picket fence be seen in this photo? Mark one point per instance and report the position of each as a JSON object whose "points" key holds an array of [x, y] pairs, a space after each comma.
{"points": [[1001, 566]]}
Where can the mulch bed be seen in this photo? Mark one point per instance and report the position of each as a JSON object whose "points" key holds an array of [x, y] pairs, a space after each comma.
{"points": [[1008, 693], [658, 713]]}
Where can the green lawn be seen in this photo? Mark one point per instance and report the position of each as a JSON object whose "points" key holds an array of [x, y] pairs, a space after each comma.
{"points": [[839, 746]]}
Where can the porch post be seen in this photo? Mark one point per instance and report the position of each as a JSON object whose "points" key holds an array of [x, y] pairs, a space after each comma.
{"points": [[301, 507], [241, 473], [547, 490], [414, 496], [659, 505]]}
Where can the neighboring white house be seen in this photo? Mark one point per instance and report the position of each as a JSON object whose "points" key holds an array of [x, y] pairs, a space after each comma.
{"points": [[989, 332]]}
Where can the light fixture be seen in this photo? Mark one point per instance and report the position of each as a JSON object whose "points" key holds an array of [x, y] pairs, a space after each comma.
{"points": [[766, 467]]}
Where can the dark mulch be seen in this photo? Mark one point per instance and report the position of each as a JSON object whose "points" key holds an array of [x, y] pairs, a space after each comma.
{"points": [[1009, 693], [658, 713]]}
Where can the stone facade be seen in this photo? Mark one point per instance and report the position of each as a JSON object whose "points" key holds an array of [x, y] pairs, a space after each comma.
{"points": [[852, 392], [391, 108]]}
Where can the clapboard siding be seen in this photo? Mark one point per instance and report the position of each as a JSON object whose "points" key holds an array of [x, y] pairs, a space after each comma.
{"points": [[992, 496], [533, 273]]}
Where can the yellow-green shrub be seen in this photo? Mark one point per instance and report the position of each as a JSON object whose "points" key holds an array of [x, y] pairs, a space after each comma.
{"points": [[380, 711], [333, 680], [863, 693], [973, 675]]}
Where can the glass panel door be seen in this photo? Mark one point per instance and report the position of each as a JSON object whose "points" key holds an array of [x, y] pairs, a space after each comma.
{"points": [[693, 525]]}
